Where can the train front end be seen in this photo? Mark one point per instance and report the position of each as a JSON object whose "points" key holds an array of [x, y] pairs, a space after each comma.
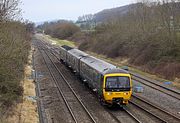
{"points": [[117, 88]]}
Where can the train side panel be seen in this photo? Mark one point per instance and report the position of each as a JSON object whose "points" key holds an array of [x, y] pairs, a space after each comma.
{"points": [[92, 77], [69, 60], [62, 53]]}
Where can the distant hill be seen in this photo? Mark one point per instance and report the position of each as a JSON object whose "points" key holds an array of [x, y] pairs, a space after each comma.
{"points": [[113, 13], [42, 22], [52, 21]]}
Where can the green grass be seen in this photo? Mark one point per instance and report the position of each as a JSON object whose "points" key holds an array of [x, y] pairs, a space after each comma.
{"points": [[60, 42]]}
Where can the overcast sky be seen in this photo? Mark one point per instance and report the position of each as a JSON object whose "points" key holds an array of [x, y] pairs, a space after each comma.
{"points": [[43, 10]]}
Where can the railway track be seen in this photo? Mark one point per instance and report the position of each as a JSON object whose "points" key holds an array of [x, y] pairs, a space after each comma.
{"points": [[129, 115], [155, 85], [113, 115], [124, 114], [152, 110], [69, 96], [155, 111], [38, 94]]}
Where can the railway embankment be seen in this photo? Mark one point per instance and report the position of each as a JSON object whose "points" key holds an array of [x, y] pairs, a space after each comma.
{"points": [[15, 44], [26, 110]]}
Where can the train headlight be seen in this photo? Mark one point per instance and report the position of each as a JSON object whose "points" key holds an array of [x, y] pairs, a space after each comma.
{"points": [[125, 93], [109, 93]]}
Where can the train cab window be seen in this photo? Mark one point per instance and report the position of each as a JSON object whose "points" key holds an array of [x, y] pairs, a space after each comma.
{"points": [[118, 82]]}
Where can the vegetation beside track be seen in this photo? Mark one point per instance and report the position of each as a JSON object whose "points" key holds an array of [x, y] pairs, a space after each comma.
{"points": [[15, 37], [14, 46]]}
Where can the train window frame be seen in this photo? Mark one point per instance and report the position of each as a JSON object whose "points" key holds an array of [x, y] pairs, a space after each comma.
{"points": [[120, 89]]}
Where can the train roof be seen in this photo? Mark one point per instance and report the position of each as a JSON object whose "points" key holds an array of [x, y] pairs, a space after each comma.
{"points": [[116, 70], [77, 53], [66, 47], [98, 64]]}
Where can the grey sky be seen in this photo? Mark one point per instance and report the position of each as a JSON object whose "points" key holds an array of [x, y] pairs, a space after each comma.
{"points": [[42, 10]]}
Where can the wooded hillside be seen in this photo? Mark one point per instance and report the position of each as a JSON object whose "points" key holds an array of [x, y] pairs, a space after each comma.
{"points": [[148, 35]]}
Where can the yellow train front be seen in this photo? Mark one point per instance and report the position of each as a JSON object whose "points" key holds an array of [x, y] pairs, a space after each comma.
{"points": [[117, 87], [113, 85]]}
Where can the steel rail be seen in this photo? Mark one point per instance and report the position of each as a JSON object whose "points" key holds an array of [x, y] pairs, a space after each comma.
{"points": [[146, 102], [65, 100], [163, 89], [89, 114], [156, 107], [117, 120], [134, 117]]}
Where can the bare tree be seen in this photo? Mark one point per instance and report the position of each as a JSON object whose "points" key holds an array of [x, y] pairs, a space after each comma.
{"points": [[9, 9]]}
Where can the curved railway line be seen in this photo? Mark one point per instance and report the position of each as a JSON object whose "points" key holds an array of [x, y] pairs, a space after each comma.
{"points": [[172, 117], [64, 96], [153, 84], [154, 111], [114, 116], [130, 115]]}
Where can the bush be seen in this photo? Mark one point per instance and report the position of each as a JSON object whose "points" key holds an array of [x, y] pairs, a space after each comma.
{"points": [[14, 47], [59, 29]]}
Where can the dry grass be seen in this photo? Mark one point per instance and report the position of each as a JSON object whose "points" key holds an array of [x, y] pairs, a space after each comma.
{"points": [[177, 82]]}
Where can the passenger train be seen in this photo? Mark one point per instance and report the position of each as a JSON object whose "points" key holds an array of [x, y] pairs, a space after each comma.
{"points": [[112, 84]]}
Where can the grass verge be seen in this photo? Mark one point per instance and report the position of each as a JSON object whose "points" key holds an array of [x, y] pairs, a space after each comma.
{"points": [[25, 111], [55, 41]]}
